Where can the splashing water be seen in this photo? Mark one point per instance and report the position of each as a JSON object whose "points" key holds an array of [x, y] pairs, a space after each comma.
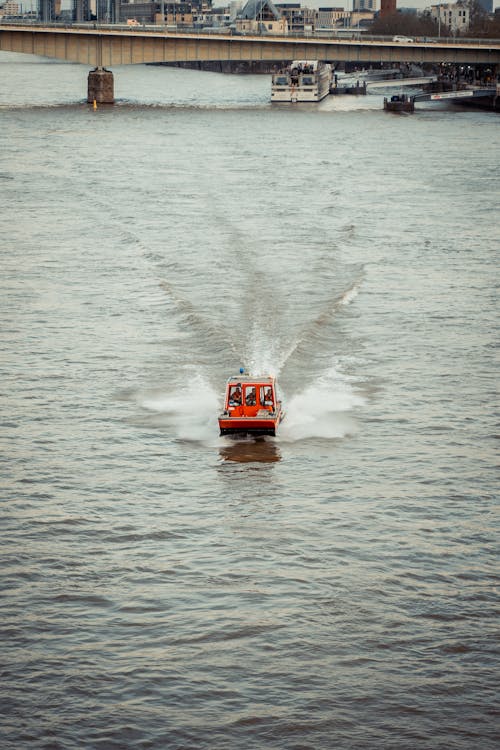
{"points": [[191, 411], [321, 409]]}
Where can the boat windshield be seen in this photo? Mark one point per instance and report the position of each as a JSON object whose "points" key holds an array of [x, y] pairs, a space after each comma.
{"points": [[234, 398], [266, 396], [250, 395], [260, 395]]}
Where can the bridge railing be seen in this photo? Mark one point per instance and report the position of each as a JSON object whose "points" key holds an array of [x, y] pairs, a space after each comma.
{"points": [[345, 35]]}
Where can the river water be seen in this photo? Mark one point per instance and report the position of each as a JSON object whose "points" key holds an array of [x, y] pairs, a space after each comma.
{"points": [[162, 587]]}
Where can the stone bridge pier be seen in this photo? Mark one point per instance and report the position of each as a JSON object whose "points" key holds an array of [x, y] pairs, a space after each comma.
{"points": [[100, 86]]}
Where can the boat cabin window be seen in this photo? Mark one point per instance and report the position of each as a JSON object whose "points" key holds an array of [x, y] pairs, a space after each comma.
{"points": [[266, 395], [250, 395], [307, 80], [281, 80], [234, 395]]}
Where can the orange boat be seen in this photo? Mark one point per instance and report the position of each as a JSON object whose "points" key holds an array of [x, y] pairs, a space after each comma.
{"points": [[251, 407]]}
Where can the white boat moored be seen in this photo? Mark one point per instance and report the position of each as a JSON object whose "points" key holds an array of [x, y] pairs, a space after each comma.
{"points": [[302, 81]]}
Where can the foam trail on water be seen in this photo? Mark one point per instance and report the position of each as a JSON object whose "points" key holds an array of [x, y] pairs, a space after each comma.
{"points": [[349, 295], [263, 354], [191, 411], [345, 299], [266, 357], [324, 409]]}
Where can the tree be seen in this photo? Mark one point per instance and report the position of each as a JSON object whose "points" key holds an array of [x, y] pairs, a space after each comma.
{"points": [[481, 24], [404, 24]]}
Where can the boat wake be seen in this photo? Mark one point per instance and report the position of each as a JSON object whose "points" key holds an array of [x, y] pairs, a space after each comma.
{"points": [[298, 343], [313, 328]]}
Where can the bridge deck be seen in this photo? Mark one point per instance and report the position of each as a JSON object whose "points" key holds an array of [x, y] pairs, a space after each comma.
{"points": [[111, 45]]}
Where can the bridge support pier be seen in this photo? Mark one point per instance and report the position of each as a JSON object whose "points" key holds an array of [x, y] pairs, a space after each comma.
{"points": [[100, 86]]}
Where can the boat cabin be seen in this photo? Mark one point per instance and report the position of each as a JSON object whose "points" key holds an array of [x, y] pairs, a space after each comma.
{"points": [[247, 396]]}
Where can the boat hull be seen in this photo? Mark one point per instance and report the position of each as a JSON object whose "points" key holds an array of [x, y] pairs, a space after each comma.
{"points": [[399, 104], [266, 425], [290, 95]]}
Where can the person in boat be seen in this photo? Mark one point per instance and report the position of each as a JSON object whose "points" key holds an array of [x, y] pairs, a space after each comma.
{"points": [[268, 397], [235, 396], [251, 398]]}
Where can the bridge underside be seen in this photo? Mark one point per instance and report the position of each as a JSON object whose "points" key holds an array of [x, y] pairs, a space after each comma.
{"points": [[108, 48]]}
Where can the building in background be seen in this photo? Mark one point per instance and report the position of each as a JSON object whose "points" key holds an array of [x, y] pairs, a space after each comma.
{"points": [[332, 18], [175, 14], [299, 19], [49, 10], [106, 11], [365, 5], [455, 17], [10, 9], [261, 15]]}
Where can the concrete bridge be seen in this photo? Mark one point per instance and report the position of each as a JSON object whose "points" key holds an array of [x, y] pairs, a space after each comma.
{"points": [[104, 45]]}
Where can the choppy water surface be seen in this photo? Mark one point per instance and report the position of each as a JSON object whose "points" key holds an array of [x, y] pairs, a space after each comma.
{"points": [[163, 587]]}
